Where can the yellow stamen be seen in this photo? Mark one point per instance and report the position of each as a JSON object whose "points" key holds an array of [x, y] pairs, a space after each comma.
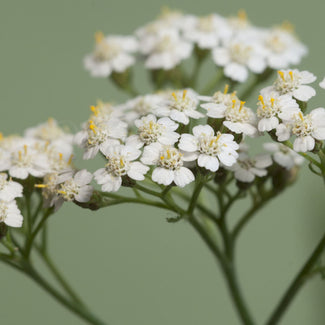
{"points": [[212, 141], [218, 136], [47, 143], [288, 26], [168, 153], [1, 136], [70, 159], [25, 149], [162, 157], [99, 36], [60, 156], [94, 109], [241, 105], [184, 93], [242, 15], [281, 74], [62, 192], [233, 103], [301, 116], [174, 95], [272, 101], [50, 121], [19, 155], [291, 75], [225, 91], [40, 185], [122, 162], [261, 99]]}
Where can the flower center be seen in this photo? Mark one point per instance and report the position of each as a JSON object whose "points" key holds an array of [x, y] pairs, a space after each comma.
{"points": [[142, 107], [170, 158], [150, 132], [96, 134], [23, 159], [210, 145], [240, 53], [302, 126], [287, 82], [68, 190], [205, 24], [237, 113], [117, 165], [105, 50], [275, 44], [182, 102], [267, 109], [164, 45], [49, 132]]}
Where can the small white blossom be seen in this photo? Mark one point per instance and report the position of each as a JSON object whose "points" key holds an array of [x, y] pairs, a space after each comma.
{"points": [[283, 155], [306, 128], [111, 54], [237, 57], [271, 107], [9, 189], [181, 106], [166, 50], [246, 169], [96, 136], [293, 83], [10, 214], [77, 187], [207, 32], [209, 148], [237, 117], [152, 130], [120, 162], [169, 162]]}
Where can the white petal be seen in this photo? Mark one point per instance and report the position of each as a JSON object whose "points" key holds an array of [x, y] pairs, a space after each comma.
{"points": [[208, 162], [163, 176], [304, 93], [183, 176], [188, 143], [83, 177], [137, 170]]}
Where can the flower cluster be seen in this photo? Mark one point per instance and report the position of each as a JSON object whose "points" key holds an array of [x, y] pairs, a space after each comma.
{"points": [[234, 43]]}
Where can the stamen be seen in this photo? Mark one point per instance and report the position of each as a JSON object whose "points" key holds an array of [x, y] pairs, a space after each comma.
{"points": [[242, 15], [99, 36], [19, 155], [225, 91], [301, 116], [40, 185], [218, 136], [184, 93], [261, 99], [233, 103], [62, 192], [122, 162], [281, 74], [94, 109], [92, 127], [291, 75], [1, 136], [174, 95], [25, 149], [241, 105], [162, 157], [272, 101], [61, 156], [70, 159], [168, 154]]}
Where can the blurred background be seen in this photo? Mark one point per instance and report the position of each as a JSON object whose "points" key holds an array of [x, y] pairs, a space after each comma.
{"points": [[129, 264]]}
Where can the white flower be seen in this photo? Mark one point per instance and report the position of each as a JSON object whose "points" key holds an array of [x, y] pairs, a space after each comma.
{"points": [[77, 187], [282, 48], [306, 128], [5, 160], [283, 155], [111, 54], [152, 130], [237, 117], [181, 106], [103, 112], [120, 162], [28, 161], [166, 50], [10, 214], [140, 106], [218, 98], [246, 169], [96, 136], [293, 83], [169, 162], [207, 32], [271, 107], [9, 190], [209, 149], [237, 57]]}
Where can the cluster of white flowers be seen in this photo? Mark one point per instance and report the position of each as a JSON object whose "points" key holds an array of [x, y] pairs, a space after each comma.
{"points": [[235, 45]]}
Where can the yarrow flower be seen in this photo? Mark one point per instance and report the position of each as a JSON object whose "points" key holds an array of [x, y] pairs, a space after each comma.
{"points": [[306, 128], [9, 190], [120, 163], [111, 54], [293, 83], [283, 155], [169, 165], [209, 149], [181, 106], [10, 214]]}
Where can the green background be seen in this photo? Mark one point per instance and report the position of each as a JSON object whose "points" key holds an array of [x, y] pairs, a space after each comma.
{"points": [[127, 262]]}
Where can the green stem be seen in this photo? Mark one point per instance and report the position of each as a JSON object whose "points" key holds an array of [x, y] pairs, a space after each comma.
{"points": [[211, 85], [297, 283], [73, 307]]}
